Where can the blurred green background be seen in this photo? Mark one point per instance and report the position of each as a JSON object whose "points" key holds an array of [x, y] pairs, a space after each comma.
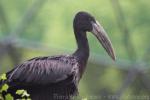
{"points": [[30, 28]]}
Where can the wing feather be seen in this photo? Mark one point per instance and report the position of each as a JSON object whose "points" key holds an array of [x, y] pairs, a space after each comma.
{"points": [[44, 70]]}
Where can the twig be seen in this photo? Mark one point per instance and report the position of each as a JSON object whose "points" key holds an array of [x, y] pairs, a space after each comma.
{"points": [[128, 81], [128, 44], [122, 64], [3, 20], [9, 41], [26, 19], [124, 29]]}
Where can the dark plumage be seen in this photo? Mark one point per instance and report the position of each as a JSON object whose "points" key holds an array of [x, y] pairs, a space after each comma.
{"points": [[57, 77]]}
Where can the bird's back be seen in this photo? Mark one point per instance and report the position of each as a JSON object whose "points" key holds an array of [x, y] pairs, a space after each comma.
{"points": [[45, 78]]}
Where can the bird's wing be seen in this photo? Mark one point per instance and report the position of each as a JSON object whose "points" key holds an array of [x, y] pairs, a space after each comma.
{"points": [[43, 70]]}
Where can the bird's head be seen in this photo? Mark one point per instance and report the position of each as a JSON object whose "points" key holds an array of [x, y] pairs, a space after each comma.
{"points": [[83, 21]]}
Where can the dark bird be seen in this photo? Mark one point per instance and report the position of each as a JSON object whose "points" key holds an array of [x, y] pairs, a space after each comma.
{"points": [[57, 77]]}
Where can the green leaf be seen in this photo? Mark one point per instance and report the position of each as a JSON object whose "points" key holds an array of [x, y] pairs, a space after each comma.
{"points": [[84, 99], [25, 94], [4, 88], [1, 98], [3, 77], [9, 97], [25, 99], [19, 92], [22, 93]]}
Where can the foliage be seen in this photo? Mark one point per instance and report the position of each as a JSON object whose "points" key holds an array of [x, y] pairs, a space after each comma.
{"points": [[4, 88], [8, 96], [3, 77], [23, 93]]}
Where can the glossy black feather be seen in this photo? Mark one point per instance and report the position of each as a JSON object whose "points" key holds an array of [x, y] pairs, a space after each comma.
{"points": [[46, 70], [45, 74]]}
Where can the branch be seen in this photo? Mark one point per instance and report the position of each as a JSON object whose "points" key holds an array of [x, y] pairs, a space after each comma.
{"points": [[27, 18], [4, 20], [122, 64], [124, 29], [128, 44], [9, 41], [128, 81]]}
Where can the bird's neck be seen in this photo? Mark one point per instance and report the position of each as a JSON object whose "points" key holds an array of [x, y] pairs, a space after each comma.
{"points": [[82, 52]]}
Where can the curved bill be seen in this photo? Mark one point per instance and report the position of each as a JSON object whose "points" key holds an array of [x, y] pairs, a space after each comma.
{"points": [[101, 35]]}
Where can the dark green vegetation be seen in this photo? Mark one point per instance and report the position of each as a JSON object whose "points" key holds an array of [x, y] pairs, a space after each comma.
{"points": [[44, 27], [4, 88]]}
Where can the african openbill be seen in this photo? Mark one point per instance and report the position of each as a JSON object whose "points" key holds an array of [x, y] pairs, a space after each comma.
{"points": [[57, 77]]}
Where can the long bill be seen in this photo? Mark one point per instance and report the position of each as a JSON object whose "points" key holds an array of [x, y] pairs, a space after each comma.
{"points": [[103, 38]]}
